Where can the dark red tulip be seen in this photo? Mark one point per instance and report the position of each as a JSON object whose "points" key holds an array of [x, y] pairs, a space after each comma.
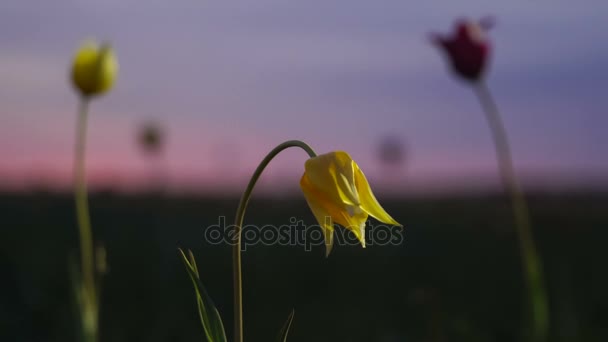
{"points": [[468, 48]]}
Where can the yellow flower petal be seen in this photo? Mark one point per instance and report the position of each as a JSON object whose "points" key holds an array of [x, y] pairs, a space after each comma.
{"points": [[358, 228], [345, 177], [94, 69], [334, 173], [326, 212], [369, 203], [329, 240], [321, 214]]}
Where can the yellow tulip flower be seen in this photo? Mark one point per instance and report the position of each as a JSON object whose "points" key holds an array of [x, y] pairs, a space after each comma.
{"points": [[337, 191], [94, 69]]}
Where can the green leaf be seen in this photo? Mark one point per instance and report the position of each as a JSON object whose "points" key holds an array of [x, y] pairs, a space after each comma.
{"points": [[210, 317], [285, 330]]}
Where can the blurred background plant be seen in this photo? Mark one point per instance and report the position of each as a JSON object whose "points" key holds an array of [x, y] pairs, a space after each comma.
{"points": [[93, 73], [151, 139], [392, 156], [468, 51]]}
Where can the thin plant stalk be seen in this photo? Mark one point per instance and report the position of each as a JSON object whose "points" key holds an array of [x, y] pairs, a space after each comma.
{"points": [[88, 297], [238, 223], [531, 262]]}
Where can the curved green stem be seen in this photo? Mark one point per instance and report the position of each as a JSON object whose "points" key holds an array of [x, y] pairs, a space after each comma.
{"points": [[529, 256], [88, 299], [238, 223]]}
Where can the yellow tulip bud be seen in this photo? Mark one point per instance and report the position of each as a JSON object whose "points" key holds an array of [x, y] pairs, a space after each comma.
{"points": [[337, 191], [94, 69]]}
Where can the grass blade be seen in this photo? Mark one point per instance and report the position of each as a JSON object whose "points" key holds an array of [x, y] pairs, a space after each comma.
{"points": [[210, 317], [285, 330]]}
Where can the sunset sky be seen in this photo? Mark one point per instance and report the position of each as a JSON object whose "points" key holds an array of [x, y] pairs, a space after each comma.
{"points": [[231, 79]]}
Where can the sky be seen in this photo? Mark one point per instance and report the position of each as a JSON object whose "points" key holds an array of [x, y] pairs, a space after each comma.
{"points": [[229, 80]]}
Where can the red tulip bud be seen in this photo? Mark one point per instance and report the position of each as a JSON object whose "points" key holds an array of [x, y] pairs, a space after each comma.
{"points": [[468, 48]]}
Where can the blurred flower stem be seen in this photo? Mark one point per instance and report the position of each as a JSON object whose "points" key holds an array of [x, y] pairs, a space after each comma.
{"points": [[529, 256], [238, 223], [88, 296], [93, 73]]}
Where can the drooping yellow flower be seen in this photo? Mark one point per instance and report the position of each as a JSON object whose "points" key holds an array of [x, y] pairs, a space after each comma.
{"points": [[337, 191], [94, 69]]}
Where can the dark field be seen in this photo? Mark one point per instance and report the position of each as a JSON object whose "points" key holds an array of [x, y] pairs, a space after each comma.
{"points": [[456, 276]]}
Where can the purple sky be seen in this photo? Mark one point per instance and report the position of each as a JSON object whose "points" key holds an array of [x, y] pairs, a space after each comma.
{"points": [[231, 79]]}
